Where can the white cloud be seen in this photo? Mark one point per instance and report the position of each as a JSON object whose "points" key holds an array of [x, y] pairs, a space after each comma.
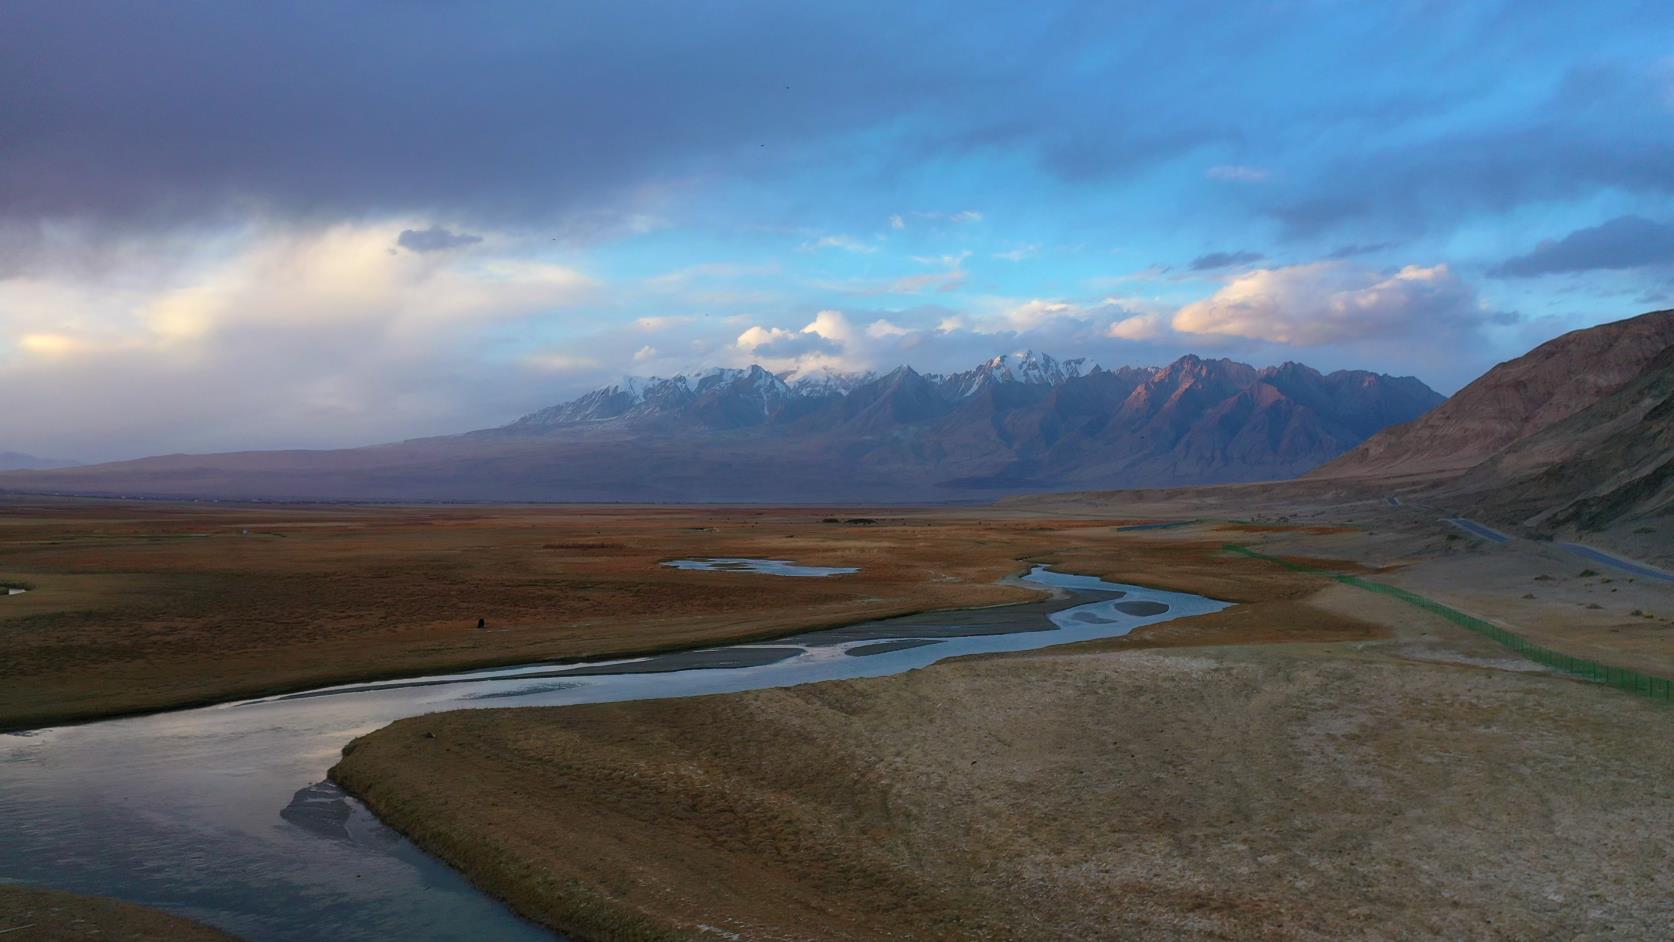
{"points": [[658, 324], [558, 362], [1019, 253], [1330, 302], [844, 242], [1138, 327], [946, 261], [960, 217], [645, 353], [896, 222], [933, 281], [708, 271], [824, 336], [1038, 311], [275, 338]]}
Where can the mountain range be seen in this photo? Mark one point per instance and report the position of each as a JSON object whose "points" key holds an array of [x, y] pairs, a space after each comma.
{"points": [[18, 461], [1015, 423]]}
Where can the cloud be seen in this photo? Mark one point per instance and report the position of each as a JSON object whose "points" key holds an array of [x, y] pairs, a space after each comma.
{"points": [[1621, 243], [1018, 253], [943, 281], [557, 362], [1138, 327], [896, 222], [960, 217], [1215, 260], [645, 353], [846, 243], [776, 343], [1356, 249], [1333, 302], [946, 261], [280, 339], [366, 113], [658, 324], [434, 239], [708, 271], [934, 281], [1599, 129], [1236, 173]]}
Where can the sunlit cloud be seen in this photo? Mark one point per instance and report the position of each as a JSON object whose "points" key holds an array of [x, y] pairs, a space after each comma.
{"points": [[1330, 302]]}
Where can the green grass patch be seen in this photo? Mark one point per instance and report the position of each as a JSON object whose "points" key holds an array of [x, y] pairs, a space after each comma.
{"points": [[1632, 681]]}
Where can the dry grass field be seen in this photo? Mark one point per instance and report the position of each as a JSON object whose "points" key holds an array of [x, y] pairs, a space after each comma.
{"points": [[136, 606], [34, 915], [1320, 763], [141, 606]]}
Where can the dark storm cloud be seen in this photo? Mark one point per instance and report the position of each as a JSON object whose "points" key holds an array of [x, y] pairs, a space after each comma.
{"points": [[150, 113], [146, 114], [1355, 249], [1215, 260], [1623, 242], [1600, 129], [434, 239]]}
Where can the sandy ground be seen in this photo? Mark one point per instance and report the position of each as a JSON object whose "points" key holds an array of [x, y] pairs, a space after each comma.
{"points": [[33, 915], [1320, 763]]}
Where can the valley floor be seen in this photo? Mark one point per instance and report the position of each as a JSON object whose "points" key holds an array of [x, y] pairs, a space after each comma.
{"points": [[1316, 762], [144, 606], [1319, 762]]}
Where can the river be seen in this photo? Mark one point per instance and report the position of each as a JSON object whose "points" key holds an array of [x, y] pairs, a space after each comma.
{"points": [[221, 813]]}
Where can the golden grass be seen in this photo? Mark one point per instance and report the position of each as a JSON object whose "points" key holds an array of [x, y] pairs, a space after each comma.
{"points": [[144, 606]]}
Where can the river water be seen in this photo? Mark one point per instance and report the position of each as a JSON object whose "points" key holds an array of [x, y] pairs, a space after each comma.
{"points": [[221, 813]]}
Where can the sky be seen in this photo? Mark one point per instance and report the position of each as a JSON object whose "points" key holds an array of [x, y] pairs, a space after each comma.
{"points": [[230, 225]]}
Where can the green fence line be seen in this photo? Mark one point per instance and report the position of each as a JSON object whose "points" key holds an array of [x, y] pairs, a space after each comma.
{"points": [[1645, 685]]}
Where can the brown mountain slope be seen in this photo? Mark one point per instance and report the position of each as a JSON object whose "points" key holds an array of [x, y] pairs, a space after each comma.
{"points": [[1611, 463], [1512, 401]]}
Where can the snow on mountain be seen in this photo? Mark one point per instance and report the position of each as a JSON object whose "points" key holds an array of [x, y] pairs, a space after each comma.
{"points": [[825, 381], [1028, 367]]}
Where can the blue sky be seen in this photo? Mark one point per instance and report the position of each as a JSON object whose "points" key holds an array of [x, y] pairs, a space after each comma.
{"points": [[237, 225]]}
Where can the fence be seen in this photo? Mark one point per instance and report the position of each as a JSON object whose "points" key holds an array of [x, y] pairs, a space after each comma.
{"points": [[1645, 685]]}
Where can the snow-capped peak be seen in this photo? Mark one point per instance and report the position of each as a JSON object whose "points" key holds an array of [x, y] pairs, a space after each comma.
{"points": [[1023, 367], [825, 381]]}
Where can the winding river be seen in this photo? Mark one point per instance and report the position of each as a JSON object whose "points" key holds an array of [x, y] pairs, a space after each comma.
{"points": [[221, 814]]}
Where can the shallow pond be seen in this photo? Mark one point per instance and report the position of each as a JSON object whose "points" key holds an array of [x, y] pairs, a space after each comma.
{"points": [[221, 813], [772, 567]]}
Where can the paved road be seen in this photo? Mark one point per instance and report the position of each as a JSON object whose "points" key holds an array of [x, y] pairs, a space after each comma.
{"points": [[1617, 562], [1480, 530], [1580, 549]]}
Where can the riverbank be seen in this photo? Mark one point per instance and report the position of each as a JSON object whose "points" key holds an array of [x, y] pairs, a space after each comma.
{"points": [[37, 915], [1315, 763]]}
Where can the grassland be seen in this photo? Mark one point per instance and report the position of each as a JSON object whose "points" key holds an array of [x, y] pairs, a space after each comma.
{"points": [[36, 915], [1316, 763], [143, 606]]}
